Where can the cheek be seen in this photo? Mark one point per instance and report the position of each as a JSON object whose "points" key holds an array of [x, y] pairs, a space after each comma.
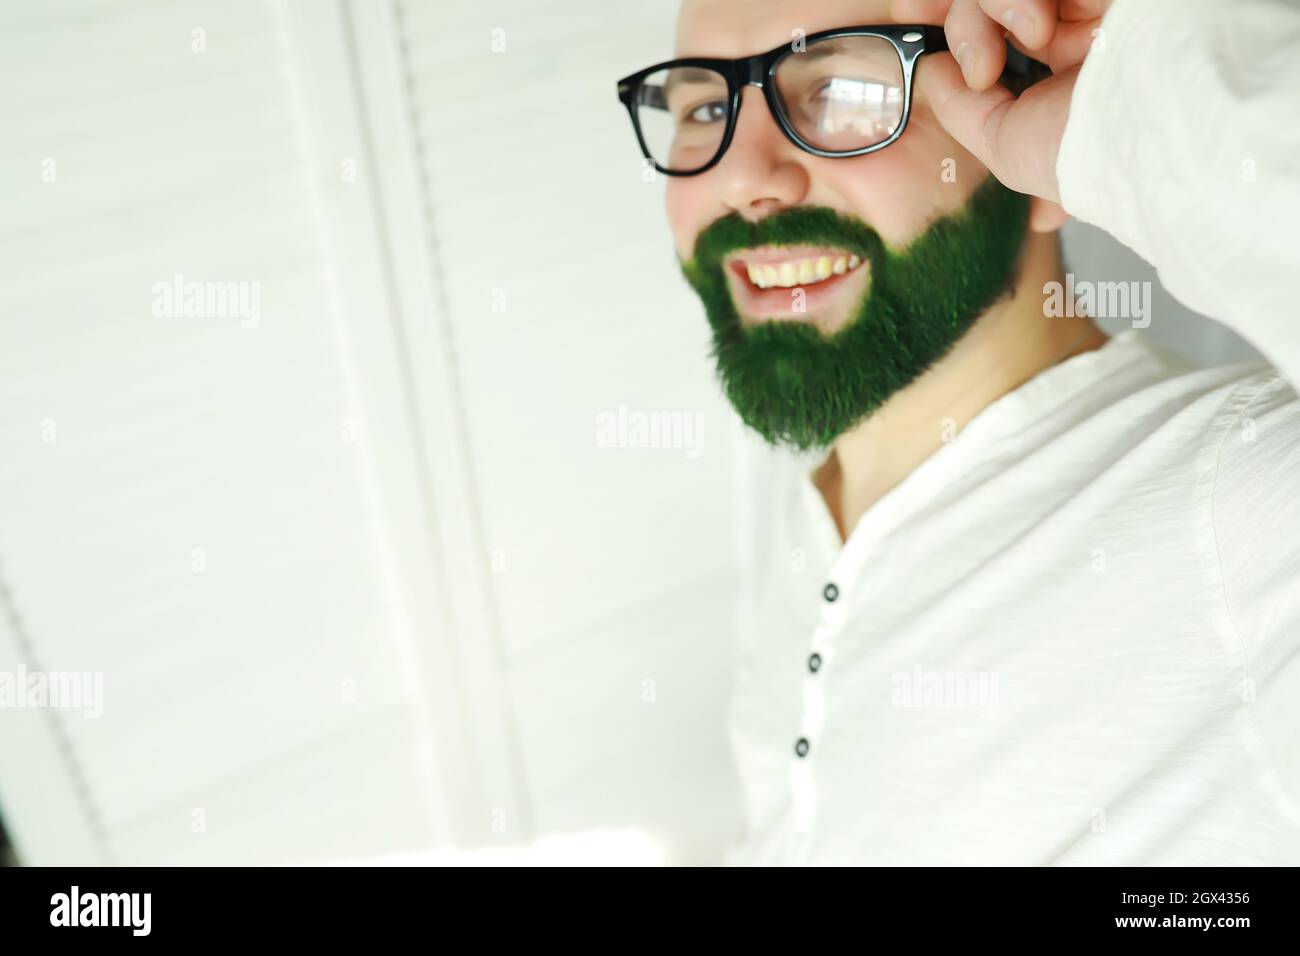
{"points": [[898, 191], [901, 190], [686, 202]]}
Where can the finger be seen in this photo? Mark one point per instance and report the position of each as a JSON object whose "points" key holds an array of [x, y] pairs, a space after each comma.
{"points": [[1068, 47], [976, 43], [933, 12], [963, 112], [1018, 140], [1015, 42], [1082, 9], [1071, 44], [1033, 22]]}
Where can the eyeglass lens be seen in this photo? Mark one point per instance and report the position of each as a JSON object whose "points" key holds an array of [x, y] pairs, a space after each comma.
{"points": [[840, 95]]}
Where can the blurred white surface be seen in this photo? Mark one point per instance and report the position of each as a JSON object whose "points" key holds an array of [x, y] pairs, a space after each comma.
{"points": [[595, 848], [359, 572], [1094, 256], [363, 574]]}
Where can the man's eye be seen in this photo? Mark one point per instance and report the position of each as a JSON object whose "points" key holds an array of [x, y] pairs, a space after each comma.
{"points": [[715, 112]]}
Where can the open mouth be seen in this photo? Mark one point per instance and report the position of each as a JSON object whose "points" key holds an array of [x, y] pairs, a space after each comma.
{"points": [[764, 281]]}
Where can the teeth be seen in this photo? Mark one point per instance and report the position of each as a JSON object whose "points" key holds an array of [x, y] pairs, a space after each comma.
{"points": [[786, 275]]}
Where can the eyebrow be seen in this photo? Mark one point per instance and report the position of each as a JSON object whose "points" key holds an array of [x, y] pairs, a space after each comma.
{"points": [[689, 74]]}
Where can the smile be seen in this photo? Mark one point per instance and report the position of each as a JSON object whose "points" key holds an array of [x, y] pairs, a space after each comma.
{"points": [[795, 272], [764, 282]]}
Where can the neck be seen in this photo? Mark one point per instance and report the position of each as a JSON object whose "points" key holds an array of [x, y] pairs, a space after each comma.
{"points": [[1007, 346]]}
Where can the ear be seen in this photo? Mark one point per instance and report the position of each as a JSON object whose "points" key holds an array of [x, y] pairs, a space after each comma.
{"points": [[1045, 215]]}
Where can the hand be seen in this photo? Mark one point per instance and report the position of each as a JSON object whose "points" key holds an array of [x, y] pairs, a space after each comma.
{"points": [[1017, 139]]}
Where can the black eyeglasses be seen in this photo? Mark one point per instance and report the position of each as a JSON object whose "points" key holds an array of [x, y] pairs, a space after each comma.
{"points": [[845, 92]]}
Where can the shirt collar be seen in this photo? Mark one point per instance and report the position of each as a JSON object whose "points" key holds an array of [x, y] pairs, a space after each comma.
{"points": [[1068, 391]]}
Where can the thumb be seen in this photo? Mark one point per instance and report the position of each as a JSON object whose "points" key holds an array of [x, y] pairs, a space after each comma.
{"points": [[1017, 139]]}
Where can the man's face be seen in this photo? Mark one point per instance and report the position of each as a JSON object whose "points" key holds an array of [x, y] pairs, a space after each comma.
{"points": [[786, 366]]}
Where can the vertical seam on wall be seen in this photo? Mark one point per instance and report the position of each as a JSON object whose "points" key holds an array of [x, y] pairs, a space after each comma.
{"points": [[473, 504], [309, 146], [77, 776]]}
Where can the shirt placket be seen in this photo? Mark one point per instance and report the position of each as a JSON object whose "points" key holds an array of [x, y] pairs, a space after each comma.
{"points": [[806, 749]]}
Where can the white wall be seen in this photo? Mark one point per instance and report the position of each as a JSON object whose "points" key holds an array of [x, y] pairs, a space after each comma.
{"points": [[361, 576], [358, 576], [1093, 256]]}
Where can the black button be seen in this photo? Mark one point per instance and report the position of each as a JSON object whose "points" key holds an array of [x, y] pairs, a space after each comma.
{"points": [[801, 746], [815, 663], [830, 592]]}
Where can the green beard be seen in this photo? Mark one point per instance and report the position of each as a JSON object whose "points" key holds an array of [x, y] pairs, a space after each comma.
{"points": [[794, 385]]}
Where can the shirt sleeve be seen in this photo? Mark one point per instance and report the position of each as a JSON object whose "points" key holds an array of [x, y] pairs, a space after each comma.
{"points": [[1255, 515], [1183, 142]]}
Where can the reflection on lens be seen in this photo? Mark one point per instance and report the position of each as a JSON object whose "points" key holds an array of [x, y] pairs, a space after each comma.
{"points": [[683, 115], [842, 94]]}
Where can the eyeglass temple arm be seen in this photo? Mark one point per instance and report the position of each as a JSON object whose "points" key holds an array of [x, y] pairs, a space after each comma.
{"points": [[936, 41], [652, 96]]}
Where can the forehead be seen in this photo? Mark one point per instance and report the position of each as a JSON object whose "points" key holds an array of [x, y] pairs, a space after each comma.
{"points": [[732, 28]]}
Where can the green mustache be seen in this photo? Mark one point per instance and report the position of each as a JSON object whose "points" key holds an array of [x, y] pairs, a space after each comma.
{"points": [[795, 386]]}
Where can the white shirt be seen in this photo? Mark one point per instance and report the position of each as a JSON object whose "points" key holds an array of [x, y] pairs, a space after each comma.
{"points": [[1072, 634]]}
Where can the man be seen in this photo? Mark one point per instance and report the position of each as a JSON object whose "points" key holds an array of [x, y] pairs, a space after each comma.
{"points": [[1039, 602]]}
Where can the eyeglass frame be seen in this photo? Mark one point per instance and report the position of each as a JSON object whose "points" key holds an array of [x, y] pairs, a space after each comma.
{"points": [[910, 41]]}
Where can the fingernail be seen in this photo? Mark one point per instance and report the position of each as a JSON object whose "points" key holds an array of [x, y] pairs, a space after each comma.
{"points": [[965, 57], [1017, 22]]}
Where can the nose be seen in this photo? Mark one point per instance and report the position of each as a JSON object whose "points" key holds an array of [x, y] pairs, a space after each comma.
{"points": [[761, 172]]}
